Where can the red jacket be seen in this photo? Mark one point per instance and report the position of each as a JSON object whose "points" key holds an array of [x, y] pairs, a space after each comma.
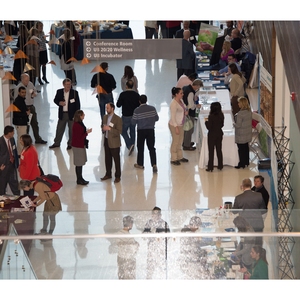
{"points": [[78, 135], [29, 169]]}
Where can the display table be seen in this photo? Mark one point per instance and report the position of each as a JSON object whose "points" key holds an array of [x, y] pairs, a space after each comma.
{"points": [[229, 147], [23, 221], [221, 96]]}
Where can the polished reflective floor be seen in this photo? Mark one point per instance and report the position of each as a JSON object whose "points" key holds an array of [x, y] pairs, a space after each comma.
{"points": [[85, 208]]}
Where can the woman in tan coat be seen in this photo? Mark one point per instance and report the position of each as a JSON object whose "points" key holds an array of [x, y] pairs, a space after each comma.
{"points": [[52, 202]]}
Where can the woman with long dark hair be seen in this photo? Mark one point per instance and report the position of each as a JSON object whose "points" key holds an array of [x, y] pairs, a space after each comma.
{"points": [[260, 266], [214, 124], [129, 74], [178, 112], [237, 87], [29, 162], [79, 145]]}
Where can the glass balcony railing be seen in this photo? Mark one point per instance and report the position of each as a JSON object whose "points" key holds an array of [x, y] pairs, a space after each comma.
{"points": [[96, 245]]}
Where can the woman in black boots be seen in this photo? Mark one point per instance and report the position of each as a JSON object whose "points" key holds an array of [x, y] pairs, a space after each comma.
{"points": [[79, 145]]}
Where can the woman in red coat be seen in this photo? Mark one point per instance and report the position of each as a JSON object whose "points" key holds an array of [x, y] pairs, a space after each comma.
{"points": [[29, 162], [79, 145]]}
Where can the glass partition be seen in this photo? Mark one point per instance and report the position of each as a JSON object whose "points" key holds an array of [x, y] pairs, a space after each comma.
{"points": [[201, 244]]}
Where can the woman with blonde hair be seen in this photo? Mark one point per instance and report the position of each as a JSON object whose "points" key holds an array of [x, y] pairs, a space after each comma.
{"points": [[243, 131], [226, 50], [237, 87]]}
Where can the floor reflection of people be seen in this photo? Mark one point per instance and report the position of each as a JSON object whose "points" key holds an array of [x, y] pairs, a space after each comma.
{"points": [[192, 258], [157, 248], [126, 249]]}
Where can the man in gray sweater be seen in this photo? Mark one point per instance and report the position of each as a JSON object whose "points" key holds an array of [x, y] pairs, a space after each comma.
{"points": [[145, 117]]}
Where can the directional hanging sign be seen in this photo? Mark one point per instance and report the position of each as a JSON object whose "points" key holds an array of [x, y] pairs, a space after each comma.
{"points": [[102, 49]]}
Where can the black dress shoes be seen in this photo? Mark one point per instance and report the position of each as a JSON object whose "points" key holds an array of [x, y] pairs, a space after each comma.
{"points": [[54, 146], [69, 147], [105, 178], [238, 167], [41, 142], [45, 79], [82, 182], [208, 170]]}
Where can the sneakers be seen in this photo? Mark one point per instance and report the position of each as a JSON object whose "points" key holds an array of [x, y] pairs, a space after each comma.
{"points": [[131, 150], [154, 169], [138, 166]]}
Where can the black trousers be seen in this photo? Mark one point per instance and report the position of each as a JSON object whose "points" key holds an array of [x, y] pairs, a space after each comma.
{"points": [[243, 150], [215, 142], [147, 135], [110, 155]]}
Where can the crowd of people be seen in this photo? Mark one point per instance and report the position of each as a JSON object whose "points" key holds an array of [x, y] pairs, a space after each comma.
{"points": [[20, 159]]}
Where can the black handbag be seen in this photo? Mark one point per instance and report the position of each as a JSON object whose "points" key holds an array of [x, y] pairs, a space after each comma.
{"points": [[86, 143]]}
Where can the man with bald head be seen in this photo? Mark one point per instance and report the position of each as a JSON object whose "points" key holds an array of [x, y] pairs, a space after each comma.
{"points": [[252, 205], [186, 65], [186, 26]]}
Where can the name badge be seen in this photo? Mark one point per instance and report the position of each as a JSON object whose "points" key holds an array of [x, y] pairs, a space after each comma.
{"points": [[22, 156], [191, 38], [111, 124], [14, 147], [72, 100]]}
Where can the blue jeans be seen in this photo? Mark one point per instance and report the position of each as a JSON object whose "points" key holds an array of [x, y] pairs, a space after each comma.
{"points": [[129, 139], [103, 99]]}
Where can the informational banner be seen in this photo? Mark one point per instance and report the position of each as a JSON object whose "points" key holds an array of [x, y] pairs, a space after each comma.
{"points": [[266, 104], [103, 49], [207, 37]]}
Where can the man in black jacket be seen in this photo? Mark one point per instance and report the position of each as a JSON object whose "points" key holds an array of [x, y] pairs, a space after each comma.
{"points": [[20, 115], [260, 188], [105, 84], [68, 102]]}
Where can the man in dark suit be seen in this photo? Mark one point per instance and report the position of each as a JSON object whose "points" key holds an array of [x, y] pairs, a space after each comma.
{"points": [[68, 102], [8, 162], [253, 207], [186, 65], [112, 129]]}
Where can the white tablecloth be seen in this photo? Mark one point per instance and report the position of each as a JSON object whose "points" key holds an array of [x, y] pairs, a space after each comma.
{"points": [[229, 147], [222, 96]]}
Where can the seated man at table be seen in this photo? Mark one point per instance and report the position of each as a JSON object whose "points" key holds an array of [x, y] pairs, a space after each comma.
{"points": [[236, 41], [231, 59], [224, 71]]}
